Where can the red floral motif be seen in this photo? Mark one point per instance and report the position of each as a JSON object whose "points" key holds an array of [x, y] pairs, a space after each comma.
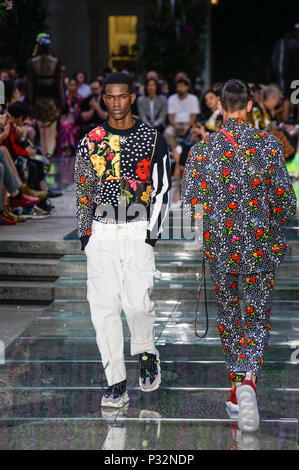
{"points": [[88, 232], [82, 179], [279, 191], [143, 169], [97, 134]]}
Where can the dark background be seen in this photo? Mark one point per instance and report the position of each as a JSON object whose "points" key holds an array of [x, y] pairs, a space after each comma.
{"points": [[244, 35]]}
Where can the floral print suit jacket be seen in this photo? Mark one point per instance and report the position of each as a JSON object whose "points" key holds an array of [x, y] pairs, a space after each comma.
{"points": [[244, 221]]}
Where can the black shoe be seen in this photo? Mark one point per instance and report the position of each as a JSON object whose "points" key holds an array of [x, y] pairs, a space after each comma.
{"points": [[53, 194], [45, 205], [116, 395]]}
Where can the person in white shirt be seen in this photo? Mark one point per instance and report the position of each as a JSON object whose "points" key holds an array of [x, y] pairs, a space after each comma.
{"points": [[183, 109]]}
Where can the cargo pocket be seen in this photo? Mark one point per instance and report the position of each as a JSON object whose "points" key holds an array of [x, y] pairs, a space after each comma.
{"points": [[93, 255], [145, 262]]}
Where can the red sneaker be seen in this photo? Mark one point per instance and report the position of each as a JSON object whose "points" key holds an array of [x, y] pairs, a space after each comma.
{"points": [[232, 406], [23, 200], [5, 221], [248, 410]]}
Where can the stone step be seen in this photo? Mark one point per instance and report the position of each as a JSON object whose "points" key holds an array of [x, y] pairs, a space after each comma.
{"points": [[48, 249], [26, 269], [67, 288], [184, 268], [38, 249], [23, 292]]}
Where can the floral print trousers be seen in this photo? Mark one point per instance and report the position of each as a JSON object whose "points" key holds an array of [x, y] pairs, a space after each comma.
{"points": [[244, 340]]}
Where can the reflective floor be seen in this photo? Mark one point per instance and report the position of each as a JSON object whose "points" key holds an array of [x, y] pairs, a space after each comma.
{"points": [[52, 380], [51, 385]]}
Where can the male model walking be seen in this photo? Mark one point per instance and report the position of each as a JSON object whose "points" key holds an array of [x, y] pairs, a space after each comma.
{"points": [[122, 179], [240, 178]]}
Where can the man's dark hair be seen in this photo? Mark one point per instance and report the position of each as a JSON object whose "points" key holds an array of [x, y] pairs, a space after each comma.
{"points": [[118, 78], [18, 109], [234, 95], [184, 80], [99, 80], [80, 71]]}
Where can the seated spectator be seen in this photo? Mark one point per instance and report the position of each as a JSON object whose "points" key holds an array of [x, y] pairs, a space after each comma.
{"points": [[180, 154], [183, 110], [273, 98], [212, 117], [21, 87], [84, 89], [93, 109], [69, 129], [152, 108], [255, 117], [30, 168]]}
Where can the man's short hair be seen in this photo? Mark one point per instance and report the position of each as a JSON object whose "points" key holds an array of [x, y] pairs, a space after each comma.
{"points": [[184, 80], [18, 109], [234, 95], [99, 80], [118, 78]]}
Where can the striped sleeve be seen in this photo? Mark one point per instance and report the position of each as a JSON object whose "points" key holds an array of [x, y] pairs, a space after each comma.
{"points": [[160, 177]]}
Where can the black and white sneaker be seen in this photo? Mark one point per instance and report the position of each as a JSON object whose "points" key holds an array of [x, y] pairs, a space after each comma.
{"points": [[116, 395], [150, 371]]}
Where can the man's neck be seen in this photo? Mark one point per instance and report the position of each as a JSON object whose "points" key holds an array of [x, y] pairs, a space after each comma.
{"points": [[237, 114], [121, 124]]}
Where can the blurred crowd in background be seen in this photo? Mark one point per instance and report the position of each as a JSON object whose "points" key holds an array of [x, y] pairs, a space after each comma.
{"points": [[48, 111]]}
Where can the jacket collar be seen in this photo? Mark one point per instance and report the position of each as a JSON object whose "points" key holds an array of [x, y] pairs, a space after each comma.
{"points": [[234, 124]]}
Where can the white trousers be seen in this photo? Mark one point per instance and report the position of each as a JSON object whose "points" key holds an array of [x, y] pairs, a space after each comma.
{"points": [[120, 275]]}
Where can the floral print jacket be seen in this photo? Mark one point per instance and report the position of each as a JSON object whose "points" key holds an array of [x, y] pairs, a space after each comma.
{"points": [[122, 168], [243, 230]]}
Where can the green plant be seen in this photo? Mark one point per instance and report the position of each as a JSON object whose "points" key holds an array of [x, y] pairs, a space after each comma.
{"points": [[174, 37]]}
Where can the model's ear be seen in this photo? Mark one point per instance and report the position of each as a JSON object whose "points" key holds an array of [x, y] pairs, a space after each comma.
{"points": [[219, 106], [133, 98], [249, 106]]}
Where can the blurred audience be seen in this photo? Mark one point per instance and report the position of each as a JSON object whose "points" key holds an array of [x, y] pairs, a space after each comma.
{"points": [[48, 98], [183, 110], [152, 108]]}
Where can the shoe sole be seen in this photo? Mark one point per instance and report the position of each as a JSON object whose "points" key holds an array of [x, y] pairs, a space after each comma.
{"points": [[157, 384], [110, 404], [248, 412]]}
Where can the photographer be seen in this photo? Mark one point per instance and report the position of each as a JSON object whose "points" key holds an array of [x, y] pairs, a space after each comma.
{"points": [[93, 110]]}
